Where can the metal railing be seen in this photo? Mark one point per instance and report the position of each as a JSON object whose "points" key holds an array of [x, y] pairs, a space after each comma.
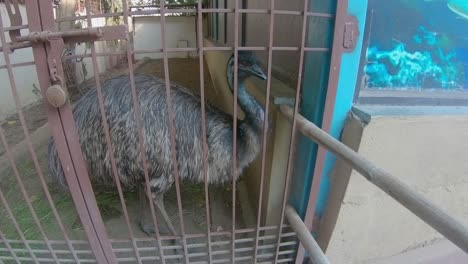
{"points": [[419, 205]]}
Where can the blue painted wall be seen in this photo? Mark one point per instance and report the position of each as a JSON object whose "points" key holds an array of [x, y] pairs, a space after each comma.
{"points": [[313, 100], [315, 81], [344, 97]]}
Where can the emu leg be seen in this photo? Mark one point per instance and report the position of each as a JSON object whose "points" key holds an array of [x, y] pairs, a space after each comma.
{"points": [[158, 199], [146, 227]]}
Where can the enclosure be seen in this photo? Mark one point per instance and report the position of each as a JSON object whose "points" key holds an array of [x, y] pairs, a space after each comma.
{"points": [[55, 53]]}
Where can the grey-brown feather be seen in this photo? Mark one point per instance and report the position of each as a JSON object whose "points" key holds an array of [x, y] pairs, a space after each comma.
{"points": [[151, 93]]}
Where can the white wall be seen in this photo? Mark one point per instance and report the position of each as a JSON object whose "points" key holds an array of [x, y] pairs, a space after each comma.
{"points": [[25, 77], [179, 31], [84, 68]]}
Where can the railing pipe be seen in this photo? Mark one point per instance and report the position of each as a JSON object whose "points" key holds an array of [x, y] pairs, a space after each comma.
{"points": [[434, 216], [316, 254]]}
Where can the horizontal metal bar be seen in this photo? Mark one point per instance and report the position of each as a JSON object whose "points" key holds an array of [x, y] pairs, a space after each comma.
{"points": [[11, 28], [434, 216], [21, 64], [14, 46], [307, 240], [46, 36]]}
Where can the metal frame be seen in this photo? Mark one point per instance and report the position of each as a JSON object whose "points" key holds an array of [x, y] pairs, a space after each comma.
{"points": [[47, 42]]}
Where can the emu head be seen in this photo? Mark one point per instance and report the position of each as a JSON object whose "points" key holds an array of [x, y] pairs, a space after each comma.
{"points": [[247, 66]]}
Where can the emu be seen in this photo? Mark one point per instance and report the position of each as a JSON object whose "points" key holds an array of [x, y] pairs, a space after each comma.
{"points": [[186, 106]]}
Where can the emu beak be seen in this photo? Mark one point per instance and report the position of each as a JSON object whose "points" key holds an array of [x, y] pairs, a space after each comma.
{"points": [[256, 71]]}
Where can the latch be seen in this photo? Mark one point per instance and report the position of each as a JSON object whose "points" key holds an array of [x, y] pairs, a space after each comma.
{"points": [[350, 33], [55, 43]]}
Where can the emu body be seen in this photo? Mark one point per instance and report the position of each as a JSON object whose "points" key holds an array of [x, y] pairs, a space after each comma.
{"points": [[186, 106]]}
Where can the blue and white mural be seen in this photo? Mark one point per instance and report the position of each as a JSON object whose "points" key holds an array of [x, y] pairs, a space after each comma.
{"points": [[417, 44]]}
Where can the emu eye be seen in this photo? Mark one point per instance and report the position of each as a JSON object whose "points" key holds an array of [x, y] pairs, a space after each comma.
{"points": [[244, 63]]}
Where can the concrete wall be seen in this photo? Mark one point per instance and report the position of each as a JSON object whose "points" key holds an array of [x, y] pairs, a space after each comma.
{"points": [[25, 76], [428, 152], [180, 33]]}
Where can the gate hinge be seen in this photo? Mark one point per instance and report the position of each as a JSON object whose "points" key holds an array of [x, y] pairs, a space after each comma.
{"points": [[350, 33]]}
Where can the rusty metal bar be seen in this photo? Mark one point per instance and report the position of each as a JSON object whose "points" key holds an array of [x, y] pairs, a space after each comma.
{"points": [[434, 216], [10, 47], [24, 192], [203, 125], [21, 64], [10, 214], [170, 113], [293, 130], [307, 240], [32, 153], [141, 141], [47, 35], [265, 124], [192, 11], [144, 51], [66, 140], [234, 128], [9, 248], [335, 66], [107, 136]]}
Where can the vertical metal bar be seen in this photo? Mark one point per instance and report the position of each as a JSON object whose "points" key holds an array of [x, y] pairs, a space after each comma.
{"points": [[225, 15], [61, 122], [105, 125], [170, 113], [141, 140], [24, 192], [203, 125], [14, 91], [62, 148], [244, 24], [234, 128], [265, 125], [17, 228], [335, 66], [8, 246], [293, 130]]}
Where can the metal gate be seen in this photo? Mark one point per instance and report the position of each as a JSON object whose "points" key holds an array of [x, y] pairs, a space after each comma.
{"points": [[266, 244]]}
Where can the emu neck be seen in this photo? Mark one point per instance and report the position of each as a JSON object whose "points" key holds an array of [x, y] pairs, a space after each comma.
{"points": [[254, 113]]}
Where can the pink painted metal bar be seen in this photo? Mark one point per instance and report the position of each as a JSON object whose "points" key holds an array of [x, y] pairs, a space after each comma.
{"points": [[141, 141], [24, 192], [9, 248], [170, 112], [10, 28], [234, 128], [66, 140], [335, 66], [143, 51], [203, 126], [265, 125], [17, 228], [32, 153], [16, 65], [108, 138], [293, 130]]}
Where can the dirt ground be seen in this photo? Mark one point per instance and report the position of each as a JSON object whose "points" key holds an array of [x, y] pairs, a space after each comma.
{"points": [[182, 71]]}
